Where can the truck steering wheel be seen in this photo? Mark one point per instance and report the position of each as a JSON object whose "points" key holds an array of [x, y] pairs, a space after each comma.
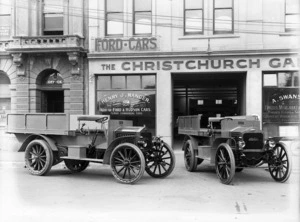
{"points": [[102, 119]]}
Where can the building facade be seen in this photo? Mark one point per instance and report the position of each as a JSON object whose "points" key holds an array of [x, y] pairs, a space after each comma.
{"points": [[150, 61]]}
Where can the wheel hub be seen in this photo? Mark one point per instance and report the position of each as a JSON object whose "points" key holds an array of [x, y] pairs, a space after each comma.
{"points": [[126, 163]]}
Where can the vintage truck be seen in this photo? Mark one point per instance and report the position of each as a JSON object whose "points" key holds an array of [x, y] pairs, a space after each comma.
{"points": [[232, 143], [80, 139]]}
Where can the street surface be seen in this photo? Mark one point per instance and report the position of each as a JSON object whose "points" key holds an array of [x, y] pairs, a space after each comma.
{"points": [[94, 195]]}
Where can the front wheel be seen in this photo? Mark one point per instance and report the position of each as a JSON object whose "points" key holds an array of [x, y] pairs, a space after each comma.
{"points": [[225, 163], [127, 163], [190, 159], [76, 166], [280, 165], [160, 161], [38, 157]]}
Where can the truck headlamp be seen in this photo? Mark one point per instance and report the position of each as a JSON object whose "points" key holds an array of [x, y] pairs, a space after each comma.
{"points": [[241, 143], [271, 143]]}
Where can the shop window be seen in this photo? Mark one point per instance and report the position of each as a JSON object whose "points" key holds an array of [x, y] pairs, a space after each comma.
{"points": [[5, 101], [5, 18], [114, 17], [219, 101], [53, 17], [223, 17], [129, 97], [292, 15], [193, 17], [142, 17], [280, 114]]}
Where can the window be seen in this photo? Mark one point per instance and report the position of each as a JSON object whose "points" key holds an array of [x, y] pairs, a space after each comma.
{"points": [[114, 17], [142, 17], [5, 18], [53, 17], [281, 79], [193, 17], [223, 17], [292, 15]]}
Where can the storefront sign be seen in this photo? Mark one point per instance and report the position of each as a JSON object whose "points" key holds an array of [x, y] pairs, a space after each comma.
{"points": [[129, 103], [126, 44], [54, 79], [203, 64], [281, 105]]}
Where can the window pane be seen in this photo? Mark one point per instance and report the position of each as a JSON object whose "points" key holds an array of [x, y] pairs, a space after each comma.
{"points": [[284, 79], [223, 3], [296, 79], [118, 82], [133, 82], [5, 6], [5, 25], [142, 5], [270, 80], [148, 82], [292, 6], [193, 21], [193, 4], [103, 82], [292, 22], [114, 5], [53, 22], [115, 24], [143, 23], [223, 20], [53, 6]]}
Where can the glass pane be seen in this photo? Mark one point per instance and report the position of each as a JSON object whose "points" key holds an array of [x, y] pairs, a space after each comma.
{"points": [[284, 79], [292, 6], [142, 5], [289, 131], [143, 23], [223, 20], [193, 4], [114, 5], [193, 21], [133, 82], [103, 82], [53, 6], [148, 82], [223, 3], [296, 79], [53, 22], [5, 6], [270, 80], [118, 82], [292, 22], [115, 24]]}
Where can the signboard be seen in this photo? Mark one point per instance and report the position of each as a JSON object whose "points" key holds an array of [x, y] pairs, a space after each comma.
{"points": [[126, 44], [54, 79], [281, 105], [126, 103]]}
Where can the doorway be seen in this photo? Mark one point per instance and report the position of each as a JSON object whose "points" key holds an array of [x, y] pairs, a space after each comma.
{"points": [[209, 94], [52, 101]]}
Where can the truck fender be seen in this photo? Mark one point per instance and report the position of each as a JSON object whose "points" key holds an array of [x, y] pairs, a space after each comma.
{"points": [[32, 137], [218, 141], [113, 144]]}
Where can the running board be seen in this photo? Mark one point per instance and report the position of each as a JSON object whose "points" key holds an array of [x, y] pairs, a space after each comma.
{"points": [[83, 159]]}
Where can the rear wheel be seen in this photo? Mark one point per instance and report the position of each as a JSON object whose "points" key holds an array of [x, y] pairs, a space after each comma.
{"points": [[76, 166], [225, 163], [38, 157], [190, 159], [280, 166], [160, 161], [127, 163]]}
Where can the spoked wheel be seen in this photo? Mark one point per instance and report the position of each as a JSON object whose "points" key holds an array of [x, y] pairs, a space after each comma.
{"points": [[225, 163], [38, 157], [190, 159], [76, 166], [160, 161], [280, 165], [127, 163]]}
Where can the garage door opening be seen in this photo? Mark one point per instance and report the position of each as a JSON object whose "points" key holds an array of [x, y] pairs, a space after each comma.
{"points": [[210, 94]]}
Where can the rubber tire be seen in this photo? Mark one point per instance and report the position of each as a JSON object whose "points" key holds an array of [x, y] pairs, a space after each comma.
{"points": [[115, 157], [229, 161], [47, 160], [288, 160], [190, 160], [76, 166], [162, 164]]}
